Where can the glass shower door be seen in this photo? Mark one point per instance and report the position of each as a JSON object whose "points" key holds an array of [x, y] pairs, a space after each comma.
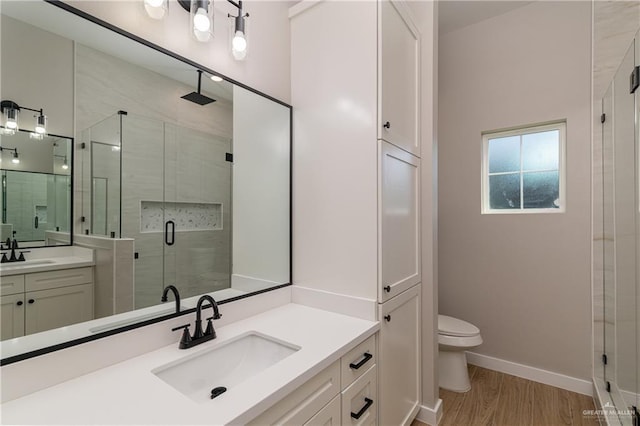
{"points": [[197, 194]]}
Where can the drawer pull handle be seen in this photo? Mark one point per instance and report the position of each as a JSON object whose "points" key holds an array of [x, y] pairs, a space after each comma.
{"points": [[366, 357], [359, 414]]}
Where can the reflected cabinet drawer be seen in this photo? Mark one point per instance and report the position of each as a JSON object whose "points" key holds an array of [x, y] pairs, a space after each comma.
{"points": [[61, 278], [11, 284]]}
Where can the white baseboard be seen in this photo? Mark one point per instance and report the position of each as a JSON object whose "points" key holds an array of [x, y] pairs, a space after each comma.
{"points": [[430, 416], [539, 375], [629, 397], [334, 302]]}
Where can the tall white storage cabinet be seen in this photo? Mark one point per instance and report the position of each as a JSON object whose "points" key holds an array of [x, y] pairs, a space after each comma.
{"points": [[355, 92]]}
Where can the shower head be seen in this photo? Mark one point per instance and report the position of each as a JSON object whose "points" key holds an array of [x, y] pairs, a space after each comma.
{"points": [[197, 97]]}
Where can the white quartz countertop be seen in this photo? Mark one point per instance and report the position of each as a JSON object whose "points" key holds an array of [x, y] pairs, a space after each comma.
{"points": [[42, 265], [129, 393]]}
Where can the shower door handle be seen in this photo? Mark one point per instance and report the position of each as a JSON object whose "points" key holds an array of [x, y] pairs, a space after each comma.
{"points": [[35, 222], [170, 241]]}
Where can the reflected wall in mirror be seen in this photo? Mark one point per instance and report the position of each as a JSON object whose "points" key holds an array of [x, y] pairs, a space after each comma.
{"points": [[36, 188], [193, 195]]}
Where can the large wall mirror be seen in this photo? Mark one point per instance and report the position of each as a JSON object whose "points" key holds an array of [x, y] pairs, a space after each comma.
{"points": [[188, 172]]}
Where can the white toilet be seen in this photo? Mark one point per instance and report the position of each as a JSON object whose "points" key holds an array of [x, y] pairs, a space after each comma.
{"points": [[454, 338]]}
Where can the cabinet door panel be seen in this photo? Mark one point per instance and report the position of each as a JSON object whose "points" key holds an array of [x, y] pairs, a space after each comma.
{"points": [[49, 309], [361, 398], [399, 234], [399, 74], [12, 316], [399, 354], [328, 416]]}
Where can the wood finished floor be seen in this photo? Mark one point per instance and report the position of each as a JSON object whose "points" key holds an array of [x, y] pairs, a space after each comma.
{"points": [[500, 399]]}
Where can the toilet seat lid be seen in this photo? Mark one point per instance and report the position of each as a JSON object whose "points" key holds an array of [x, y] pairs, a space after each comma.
{"points": [[456, 327]]}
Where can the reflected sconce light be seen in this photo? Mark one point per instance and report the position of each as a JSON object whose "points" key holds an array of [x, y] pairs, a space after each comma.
{"points": [[65, 163], [11, 112], [14, 157], [201, 21]]}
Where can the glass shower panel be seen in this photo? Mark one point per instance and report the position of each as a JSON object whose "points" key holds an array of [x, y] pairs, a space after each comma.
{"points": [[197, 196], [625, 207], [103, 178], [142, 153]]}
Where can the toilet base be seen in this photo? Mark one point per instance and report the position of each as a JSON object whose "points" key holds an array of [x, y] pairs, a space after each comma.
{"points": [[453, 374]]}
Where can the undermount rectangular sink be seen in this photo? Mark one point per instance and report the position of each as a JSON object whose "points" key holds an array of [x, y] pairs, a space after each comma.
{"points": [[226, 366]]}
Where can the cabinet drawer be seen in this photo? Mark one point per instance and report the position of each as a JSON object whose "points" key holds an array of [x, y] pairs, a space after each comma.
{"points": [[301, 404], [361, 400], [11, 284], [55, 279], [328, 416], [358, 361]]}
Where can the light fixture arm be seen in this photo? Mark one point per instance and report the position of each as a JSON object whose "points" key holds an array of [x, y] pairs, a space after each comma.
{"points": [[15, 150], [10, 104]]}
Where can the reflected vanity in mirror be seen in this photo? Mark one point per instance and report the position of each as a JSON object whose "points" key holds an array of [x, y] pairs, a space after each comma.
{"points": [[37, 180], [180, 179]]}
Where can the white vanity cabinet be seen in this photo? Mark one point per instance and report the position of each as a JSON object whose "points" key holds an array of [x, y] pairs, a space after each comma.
{"points": [[40, 301], [346, 387]]}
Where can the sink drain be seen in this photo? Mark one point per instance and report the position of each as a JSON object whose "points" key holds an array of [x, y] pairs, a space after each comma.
{"points": [[215, 392]]}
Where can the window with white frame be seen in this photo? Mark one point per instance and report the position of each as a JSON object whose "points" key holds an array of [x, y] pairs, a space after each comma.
{"points": [[523, 169]]}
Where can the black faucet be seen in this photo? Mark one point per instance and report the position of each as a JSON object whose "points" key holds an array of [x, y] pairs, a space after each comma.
{"points": [[176, 296], [13, 258], [187, 341]]}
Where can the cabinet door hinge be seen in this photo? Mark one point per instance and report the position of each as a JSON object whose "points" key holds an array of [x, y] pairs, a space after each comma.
{"points": [[603, 117], [634, 79], [604, 359]]}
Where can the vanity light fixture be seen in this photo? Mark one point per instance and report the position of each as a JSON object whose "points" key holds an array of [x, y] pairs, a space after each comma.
{"points": [[11, 112], [201, 21], [156, 9], [14, 158], [65, 163], [239, 40]]}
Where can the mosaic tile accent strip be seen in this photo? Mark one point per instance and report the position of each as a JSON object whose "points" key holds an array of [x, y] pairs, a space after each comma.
{"points": [[187, 216]]}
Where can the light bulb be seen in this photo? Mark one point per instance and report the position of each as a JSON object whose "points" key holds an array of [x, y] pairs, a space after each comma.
{"points": [[155, 8], [65, 166], [15, 159], [239, 45], [201, 21], [41, 124], [115, 148], [216, 78]]}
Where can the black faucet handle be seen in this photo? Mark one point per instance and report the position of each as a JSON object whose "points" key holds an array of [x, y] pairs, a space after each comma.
{"points": [[185, 340], [5, 259], [210, 330]]}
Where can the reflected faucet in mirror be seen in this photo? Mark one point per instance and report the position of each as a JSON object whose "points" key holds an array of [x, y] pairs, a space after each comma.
{"points": [[176, 296], [188, 341], [12, 257]]}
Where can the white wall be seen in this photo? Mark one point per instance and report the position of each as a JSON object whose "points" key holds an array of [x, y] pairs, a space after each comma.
{"points": [[524, 280], [261, 155], [266, 67], [37, 72]]}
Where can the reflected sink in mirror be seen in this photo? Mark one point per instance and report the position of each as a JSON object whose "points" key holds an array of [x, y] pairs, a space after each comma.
{"points": [[35, 262], [225, 366]]}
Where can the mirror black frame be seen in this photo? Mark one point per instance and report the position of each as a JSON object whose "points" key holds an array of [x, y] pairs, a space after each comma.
{"points": [[74, 342]]}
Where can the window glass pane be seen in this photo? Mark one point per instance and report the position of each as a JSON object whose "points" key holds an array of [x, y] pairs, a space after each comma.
{"points": [[504, 191], [504, 154], [541, 190], [540, 150]]}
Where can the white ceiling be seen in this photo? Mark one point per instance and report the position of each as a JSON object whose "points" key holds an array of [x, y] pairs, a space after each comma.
{"points": [[453, 14]]}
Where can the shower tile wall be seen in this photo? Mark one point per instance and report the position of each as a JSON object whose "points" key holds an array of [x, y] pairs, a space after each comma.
{"points": [[25, 192], [187, 162]]}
